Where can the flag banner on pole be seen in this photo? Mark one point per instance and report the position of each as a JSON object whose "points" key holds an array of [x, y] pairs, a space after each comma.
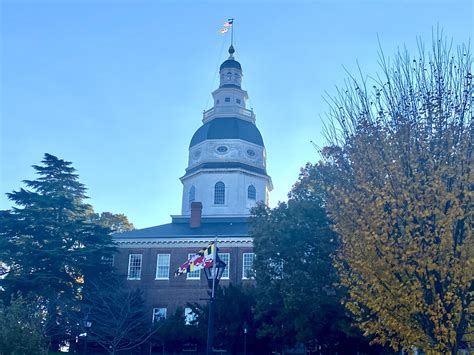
{"points": [[204, 258], [228, 24]]}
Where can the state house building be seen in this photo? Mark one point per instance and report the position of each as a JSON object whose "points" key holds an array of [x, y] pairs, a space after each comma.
{"points": [[225, 177]]}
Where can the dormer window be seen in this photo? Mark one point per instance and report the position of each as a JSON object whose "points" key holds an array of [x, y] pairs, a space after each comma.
{"points": [[227, 99]]}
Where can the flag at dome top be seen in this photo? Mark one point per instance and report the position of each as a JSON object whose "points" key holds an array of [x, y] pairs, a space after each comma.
{"points": [[228, 24], [204, 258]]}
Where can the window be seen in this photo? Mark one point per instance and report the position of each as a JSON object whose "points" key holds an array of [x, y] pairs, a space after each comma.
{"points": [[192, 195], [238, 101], [134, 266], [227, 99], [247, 265], [219, 193], [107, 260], [225, 257], [189, 316], [194, 275], [162, 267], [158, 314], [252, 193], [222, 149]]}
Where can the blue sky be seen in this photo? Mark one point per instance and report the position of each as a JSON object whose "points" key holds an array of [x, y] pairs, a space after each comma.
{"points": [[118, 87]]}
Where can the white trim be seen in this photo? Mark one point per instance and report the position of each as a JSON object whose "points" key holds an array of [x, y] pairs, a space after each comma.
{"points": [[156, 271], [227, 267], [129, 265], [243, 265], [183, 242]]}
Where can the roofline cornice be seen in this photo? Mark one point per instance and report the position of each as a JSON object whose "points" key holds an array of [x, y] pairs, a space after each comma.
{"points": [[186, 242]]}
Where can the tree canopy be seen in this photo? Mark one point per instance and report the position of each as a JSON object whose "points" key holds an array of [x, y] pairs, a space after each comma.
{"points": [[399, 188], [48, 245], [297, 296], [116, 222]]}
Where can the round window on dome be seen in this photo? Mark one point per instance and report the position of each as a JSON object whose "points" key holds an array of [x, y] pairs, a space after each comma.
{"points": [[250, 152], [222, 149]]}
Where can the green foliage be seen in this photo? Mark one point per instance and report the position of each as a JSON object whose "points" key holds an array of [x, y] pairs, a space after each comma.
{"points": [[174, 334], [48, 245], [116, 222], [233, 306], [399, 188], [21, 328], [297, 296]]}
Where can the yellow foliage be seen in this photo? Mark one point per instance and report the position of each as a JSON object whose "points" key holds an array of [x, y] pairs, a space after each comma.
{"points": [[402, 204]]}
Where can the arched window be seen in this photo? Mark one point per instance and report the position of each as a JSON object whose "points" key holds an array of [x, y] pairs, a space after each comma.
{"points": [[219, 193], [251, 193], [192, 195]]}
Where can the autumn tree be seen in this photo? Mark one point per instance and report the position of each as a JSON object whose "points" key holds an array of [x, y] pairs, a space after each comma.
{"points": [[400, 187], [116, 222], [48, 245]]}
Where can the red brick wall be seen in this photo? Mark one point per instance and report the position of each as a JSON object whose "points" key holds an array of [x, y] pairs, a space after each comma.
{"points": [[177, 291]]}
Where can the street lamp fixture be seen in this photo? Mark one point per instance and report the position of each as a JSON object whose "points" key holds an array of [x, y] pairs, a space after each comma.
{"points": [[214, 274]]}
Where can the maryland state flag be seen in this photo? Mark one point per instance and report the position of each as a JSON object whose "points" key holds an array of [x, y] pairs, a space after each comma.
{"points": [[204, 258], [229, 23]]}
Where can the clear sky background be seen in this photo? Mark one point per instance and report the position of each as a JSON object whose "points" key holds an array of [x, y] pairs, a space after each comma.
{"points": [[118, 87]]}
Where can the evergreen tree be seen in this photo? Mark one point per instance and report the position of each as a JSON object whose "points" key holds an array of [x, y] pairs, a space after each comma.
{"points": [[48, 245], [21, 331]]}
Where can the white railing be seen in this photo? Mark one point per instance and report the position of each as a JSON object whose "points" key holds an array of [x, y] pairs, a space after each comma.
{"points": [[228, 110]]}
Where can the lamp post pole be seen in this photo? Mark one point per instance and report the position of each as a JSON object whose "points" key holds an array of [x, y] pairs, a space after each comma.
{"points": [[210, 321], [213, 276], [210, 327], [245, 337], [87, 325]]}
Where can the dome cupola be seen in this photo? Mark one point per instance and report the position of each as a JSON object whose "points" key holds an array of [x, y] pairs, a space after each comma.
{"points": [[227, 159], [230, 71]]}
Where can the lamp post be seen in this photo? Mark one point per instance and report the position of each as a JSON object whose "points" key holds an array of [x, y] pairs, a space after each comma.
{"points": [[245, 337], [213, 275], [87, 323]]}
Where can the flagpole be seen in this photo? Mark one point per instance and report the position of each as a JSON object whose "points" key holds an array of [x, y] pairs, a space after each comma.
{"points": [[214, 264], [232, 33], [210, 320]]}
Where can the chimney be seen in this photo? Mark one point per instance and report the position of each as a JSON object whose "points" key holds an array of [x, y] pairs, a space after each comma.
{"points": [[196, 210]]}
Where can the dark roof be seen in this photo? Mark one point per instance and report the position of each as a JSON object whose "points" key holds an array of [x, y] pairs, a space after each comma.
{"points": [[226, 165], [230, 63], [225, 227], [228, 128]]}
